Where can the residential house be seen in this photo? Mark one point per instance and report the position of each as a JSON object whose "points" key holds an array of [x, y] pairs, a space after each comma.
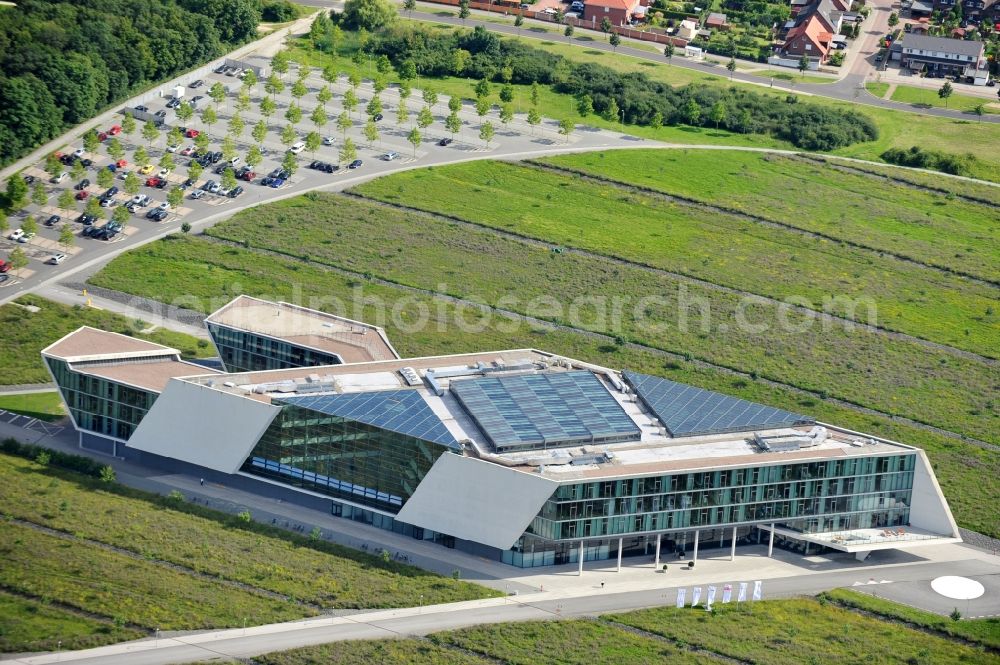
{"points": [[974, 9], [946, 57], [811, 38], [619, 12], [688, 29], [716, 21]]}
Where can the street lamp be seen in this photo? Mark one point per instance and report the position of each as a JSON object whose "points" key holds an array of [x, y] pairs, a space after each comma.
{"points": [[623, 120]]}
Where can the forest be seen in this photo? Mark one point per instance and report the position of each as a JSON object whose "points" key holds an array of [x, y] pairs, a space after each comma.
{"points": [[64, 61]]}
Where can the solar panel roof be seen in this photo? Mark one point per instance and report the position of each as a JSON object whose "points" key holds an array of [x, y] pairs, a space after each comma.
{"points": [[544, 410], [685, 410], [401, 411]]}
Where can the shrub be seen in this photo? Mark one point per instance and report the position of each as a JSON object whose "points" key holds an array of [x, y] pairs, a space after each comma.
{"points": [[917, 157], [277, 11]]}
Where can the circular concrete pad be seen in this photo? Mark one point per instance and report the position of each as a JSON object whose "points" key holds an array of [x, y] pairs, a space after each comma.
{"points": [[958, 588]]}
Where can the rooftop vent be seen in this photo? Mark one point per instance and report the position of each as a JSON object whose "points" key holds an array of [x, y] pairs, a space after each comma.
{"points": [[410, 376]]}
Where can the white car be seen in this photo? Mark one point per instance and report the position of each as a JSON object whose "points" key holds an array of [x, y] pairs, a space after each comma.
{"points": [[140, 200], [78, 152], [328, 140], [198, 193], [235, 161], [56, 259], [27, 237], [389, 156], [59, 178], [172, 148], [163, 206], [297, 148], [163, 173], [16, 234]]}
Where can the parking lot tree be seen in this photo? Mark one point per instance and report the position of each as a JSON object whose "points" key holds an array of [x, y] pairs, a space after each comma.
{"points": [[487, 132], [313, 142], [453, 124], [330, 73], [141, 157], [236, 126], [718, 113], [17, 192], [274, 85], [668, 52], [482, 89], [382, 64], [228, 148], [507, 93], [78, 170], [290, 162], [66, 199], [430, 96], [17, 259], [506, 113], [280, 63], [243, 102], [52, 165], [250, 80], [175, 196], [299, 90], [167, 161], [5, 217], [228, 180], [344, 122], [350, 101], [121, 215], [259, 131], [566, 127], [425, 118], [408, 70], [195, 170], [293, 114], [105, 178], [128, 124], [174, 136], [38, 195], [348, 153], [217, 93], [29, 225], [93, 207], [201, 142], [945, 92], [606, 25], [254, 156], [402, 113], [454, 103], [184, 112], [374, 107], [404, 90], [533, 119], [482, 106], [90, 142], [209, 117], [535, 93], [463, 10], [66, 237], [319, 117], [150, 132], [615, 40], [568, 32], [380, 83], [415, 138], [324, 96], [354, 78], [371, 133], [115, 148], [289, 135], [132, 183], [268, 107]]}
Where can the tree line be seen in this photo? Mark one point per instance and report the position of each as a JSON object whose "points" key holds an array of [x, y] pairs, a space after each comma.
{"points": [[63, 61], [633, 98]]}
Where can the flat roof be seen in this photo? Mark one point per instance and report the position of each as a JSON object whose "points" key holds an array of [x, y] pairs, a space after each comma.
{"points": [[353, 341], [90, 343], [152, 375]]}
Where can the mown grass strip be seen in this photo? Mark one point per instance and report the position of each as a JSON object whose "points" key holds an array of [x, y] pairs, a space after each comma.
{"points": [[44, 406], [321, 573], [926, 227], [601, 295], [366, 652], [207, 275], [718, 248]]}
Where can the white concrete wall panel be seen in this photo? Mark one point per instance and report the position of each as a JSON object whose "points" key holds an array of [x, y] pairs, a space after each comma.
{"points": [[928, 508], [203, 426], [476, 500]]}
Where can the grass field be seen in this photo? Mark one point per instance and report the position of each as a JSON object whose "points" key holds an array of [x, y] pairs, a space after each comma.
{"points": [[789, 76], [203, 271], [981, 631], [800, 631], [44, 406], [909, 94], [322, 574], [877, 89], [480, 266], [30, 625], [878, 214], [26, 333]]}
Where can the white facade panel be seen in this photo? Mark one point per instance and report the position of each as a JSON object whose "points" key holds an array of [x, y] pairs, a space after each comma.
{"points": [[928, 508], [203, 426], [476, 500]]}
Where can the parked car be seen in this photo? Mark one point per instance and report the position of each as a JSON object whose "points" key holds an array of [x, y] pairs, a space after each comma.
{"points": [[140, 200], [102, 136], [274, 183], [297, 147], [78, 152], [56, 259], [85, 219], [172, 148], [248, 176], [82, 195], [220, 69], [157, 215], [445, 141], [112, 191], [196, 84], [187, 183], [4, 266], [59, 178], [52, 220], [27, 237], [216, 156], [83, 184], [161, 114], [163, 173], [235, 191], [389, 156], [109, 202], [378, 117], [147, 169], [197, 194], [191, 133], [29, 179], [355, 164], [142, 108], [328, 140], [115, 130], [188, 151], [16, 234]]}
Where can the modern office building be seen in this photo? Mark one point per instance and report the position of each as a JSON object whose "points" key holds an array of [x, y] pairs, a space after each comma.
{"points": [[520, 455], [253, 335]]}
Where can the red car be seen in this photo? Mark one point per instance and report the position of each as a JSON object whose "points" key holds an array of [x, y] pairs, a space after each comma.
{"points": [[4, 266], [191, 133], [115, 130], [102, 137], [82, 194], [121, 163], [153, 182], [249, 176]]}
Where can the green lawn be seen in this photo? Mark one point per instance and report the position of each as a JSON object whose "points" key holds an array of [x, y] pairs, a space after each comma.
{"points": [[44, 406], [981, 631], [29, 625], [877, 89], [789, 76], [26, 333], [321, 574], [204, 271], [920, 225], [909, 94], [373, 652]]}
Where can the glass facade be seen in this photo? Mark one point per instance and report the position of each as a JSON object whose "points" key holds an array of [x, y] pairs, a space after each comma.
{"points": [[100, 405], [809, 497], [343, 458], [242, 351]]}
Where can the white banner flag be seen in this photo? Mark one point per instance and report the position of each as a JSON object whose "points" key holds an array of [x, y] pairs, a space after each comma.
{"points": [[695, 595], [742, 597], [756, 590], [711, 599], [680, 597], [727, 593]]}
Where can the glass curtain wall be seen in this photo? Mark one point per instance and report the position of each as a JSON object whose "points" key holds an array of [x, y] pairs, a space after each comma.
{"points": [[100, 405], [242, 351]]}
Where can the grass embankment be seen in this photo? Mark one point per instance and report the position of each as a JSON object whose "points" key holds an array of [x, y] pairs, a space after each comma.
{"points": [[897, 129], [176, 566], [204, 271], [26, 333], [928, 97], [789, 77], [779, 632], [877, 89], [872, 212], [30, 625], [981, 631], [44, 406]]}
